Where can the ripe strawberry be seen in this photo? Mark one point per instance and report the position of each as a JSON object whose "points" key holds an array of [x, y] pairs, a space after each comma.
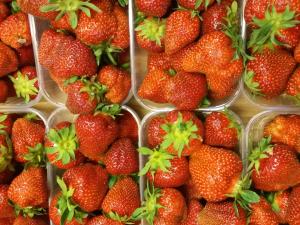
{"points": [[26, 83], [293, 86], [158, 61], [26, 56], [262, 213], [186, 91], [221, 213], [182, 28], [276, 167], [65, 56], [62, 24], [284, 129], [33, 7], [29, 190], [191, 191], [121, 37], [95, 133], [102, 220], [4, 91], [15, 31], [8, 60], [150, 34], [154, 132], [27, 139], [268, 73], [128, 127], [280, 202], [195, 4], [90, 184], [157, 8], [222, 130], [117, 81], [4, 11], [194, 208], [123, 198], [297, 53], [20, 220], [61, 146], [293, 213], [122, 158], [7, 221], [6, 210], [163, 169]]}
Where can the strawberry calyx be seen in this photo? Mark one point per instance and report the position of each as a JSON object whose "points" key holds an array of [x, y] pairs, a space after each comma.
{"points": [[179, 134], [152, 29], [157, 159], [270, 27], [70, 7], [233, 123], [6, 154], [112, 110], [15, 8], [28, 211], [271, 198], [198, 3], [35, 156], [205, 103], [32, 117], [294, 98], [253, 86], [123, 3], [117, 217], [66, 208], [106, 49], [65, 144], [24, 86]]}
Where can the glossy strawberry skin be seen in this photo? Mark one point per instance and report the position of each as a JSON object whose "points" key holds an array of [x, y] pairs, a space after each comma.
{"points": [[62, 24], [8, 60], [158, 61], [102, 220], [20, 220], [121, 37], [128, 127], [194, 208], [293, 215], [6, 210], [4, 11], [154, 132], [297, 53], [191, 4], [156, 8], [33, 7], [293, 86]]}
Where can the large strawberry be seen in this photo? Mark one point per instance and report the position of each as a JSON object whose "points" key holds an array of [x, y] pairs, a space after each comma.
{"points": [[6, 210], [157, 8], [275, 167], [8, 60], [293, 86], [196, 4], [280, 203], [95, 133], [182, 28], [20, 220], [194, 209], [102, 220], [284, 129], [4, 11], [61, 146], [293, 213], [267, 74], [26, 56], [128, 127], [33, 7]]}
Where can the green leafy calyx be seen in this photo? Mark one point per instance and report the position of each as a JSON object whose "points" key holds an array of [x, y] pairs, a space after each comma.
{"points": [[106, 49], [28, 211], [112, 110], [233, 122], [35, 156], [252, 85], [6, 154]]}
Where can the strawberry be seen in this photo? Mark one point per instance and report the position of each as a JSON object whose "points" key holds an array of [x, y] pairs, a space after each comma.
{"points": [[280, 202], [122, 158], [293, 86], [61, 146], [65, 56], [33, 7], [26, 83], [4, 11], [20, 220], [150, 34], [158, 61], [62, 24], [293, 215], [194, 208], [90, 184], [7, 221], [195, 4], [128, 127], [297, 53], [182, 28], [222, 130], [186, 91], [15, 31], [26, 56], [221, 213], [157, 8], [95, 133], [276, 167], [284, 129], [262, 213], [4, 91], [6, 210], [28, 191], [267, 74], [163, 169], [102, 220], [8, 60], [191, 190], [122, 199], [118, 82], [154, 132], [27, 139]]}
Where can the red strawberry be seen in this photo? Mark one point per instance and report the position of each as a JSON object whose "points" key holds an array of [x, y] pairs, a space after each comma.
{"points": [[268, 73], [221, 130], [20, 220], [26, 56], [26, 83], [95, 133], [27, 139], [195, 4], [61, 146], [122, 158], [7, 221], [293, 213], [157, 8], [65, 56], [6, 210], [90, 184], [297, 53], [182, 28], [276, 167], [29, 189], [150, 34], [4, 11], [194, 208], [191, 191], [158, 61], [102, 220], [154, 132], [15, 31], [62, 24], [128, 127], [33, 7], [293, 85], [4, 91], [8, 60], [117, 81], [280, 202], [221, 213], [123, 198], [284, 129], [186, 91]]}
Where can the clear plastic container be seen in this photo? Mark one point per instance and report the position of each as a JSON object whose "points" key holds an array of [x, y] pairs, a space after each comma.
{"points": [[139, 70], [143, 141], [50, 89]]}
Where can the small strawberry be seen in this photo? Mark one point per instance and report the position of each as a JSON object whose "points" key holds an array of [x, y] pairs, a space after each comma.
{"points": [[128, 127], [150, 34], [122, 199], [4, 91], [4, 11], [26, 56], [61, 146], [6, 210], [20, 220], [8, 60], [157, 8], [182, 28], [293, 86], [95, 133], [284, 129], [267, 74], [33, 7], [102, 220], [163, 169], [158, 61], [222, 130], [26, 83], [194, 209], [280, 203], [195, 4], [293, 213], [122, 158]]}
